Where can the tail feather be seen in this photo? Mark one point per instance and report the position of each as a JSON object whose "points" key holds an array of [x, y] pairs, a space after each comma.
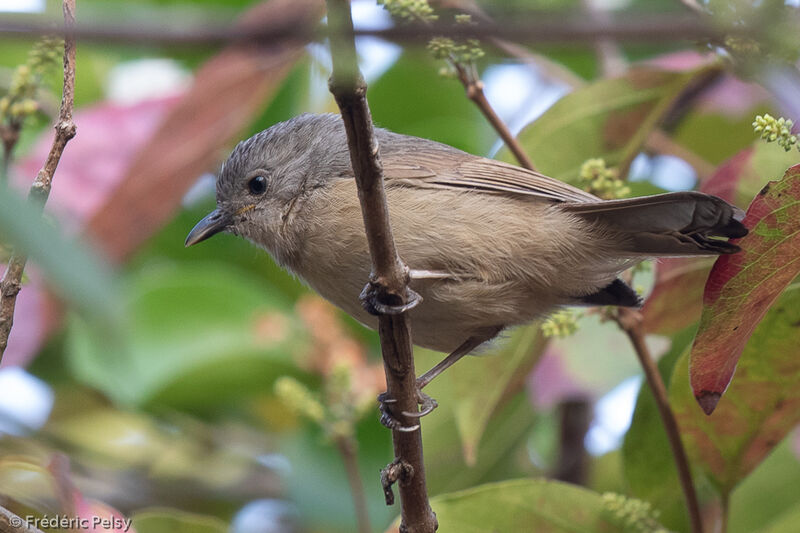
{"points": [[682, 223]]}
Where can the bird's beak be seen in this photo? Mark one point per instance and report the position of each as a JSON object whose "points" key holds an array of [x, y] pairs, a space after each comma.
{"points": [[212, 224]]}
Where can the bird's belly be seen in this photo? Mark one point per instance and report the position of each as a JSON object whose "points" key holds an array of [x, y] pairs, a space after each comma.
{"points": [[450, 312]]}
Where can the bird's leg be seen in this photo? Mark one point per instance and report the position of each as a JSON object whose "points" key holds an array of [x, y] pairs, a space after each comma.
{"points": [[427, 403]]}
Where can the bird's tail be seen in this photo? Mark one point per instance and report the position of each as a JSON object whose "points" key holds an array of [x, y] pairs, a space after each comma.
{"points": [[672, 224]]}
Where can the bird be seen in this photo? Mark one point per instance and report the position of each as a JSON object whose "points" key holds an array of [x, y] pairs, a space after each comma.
{"points": [[489, 245]]}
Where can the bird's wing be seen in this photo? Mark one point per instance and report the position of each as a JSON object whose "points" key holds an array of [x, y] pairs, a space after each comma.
{"points": [[458, 170]]}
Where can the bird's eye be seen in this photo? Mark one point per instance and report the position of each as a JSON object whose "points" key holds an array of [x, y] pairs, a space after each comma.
{"points": [[257, 185]]}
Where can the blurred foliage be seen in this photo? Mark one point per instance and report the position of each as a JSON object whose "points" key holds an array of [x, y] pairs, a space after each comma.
{"points": [[164, 372], [609, 119]]}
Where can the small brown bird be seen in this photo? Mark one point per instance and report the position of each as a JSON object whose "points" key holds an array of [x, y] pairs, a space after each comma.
{"points": [[490, 245]]}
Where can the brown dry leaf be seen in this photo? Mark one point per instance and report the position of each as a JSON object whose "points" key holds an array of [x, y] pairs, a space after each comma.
{"points": [[226, 94]]}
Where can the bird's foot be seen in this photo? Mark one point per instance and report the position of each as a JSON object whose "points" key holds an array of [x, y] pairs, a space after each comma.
{"points": [[426, 403], [376, 301]]}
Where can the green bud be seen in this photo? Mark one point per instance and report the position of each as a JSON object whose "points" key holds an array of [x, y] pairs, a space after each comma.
{"points": [[777, 130], [560, 324], [410, 10], [29, 106], [599, 180], [636, 515], [297, 397], [441, 47]]}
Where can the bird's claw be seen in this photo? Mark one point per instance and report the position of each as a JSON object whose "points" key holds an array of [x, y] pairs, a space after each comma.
{"points": [[426, 403], [373, 300], [388, 420]]}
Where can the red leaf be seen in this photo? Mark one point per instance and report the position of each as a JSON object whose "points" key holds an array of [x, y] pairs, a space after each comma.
{"points": [[675, 302], [227, 92], [742, 287], [724, 182]]}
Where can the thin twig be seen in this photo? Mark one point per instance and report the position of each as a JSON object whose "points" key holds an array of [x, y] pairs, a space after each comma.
{"points": [[474, 88], [388, 284], [557, 29], [11, 523], [40, 190], [468, 76], [630, 321], [347, 449]]}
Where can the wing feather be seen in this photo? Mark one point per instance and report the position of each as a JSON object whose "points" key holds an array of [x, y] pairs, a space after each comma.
{"points": [[460, 170]]}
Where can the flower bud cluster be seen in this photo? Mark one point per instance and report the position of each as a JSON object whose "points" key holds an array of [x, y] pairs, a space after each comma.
{"points": [[602, 181], [776, 130]]}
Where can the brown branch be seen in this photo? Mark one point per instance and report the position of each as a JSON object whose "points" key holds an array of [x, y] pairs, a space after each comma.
{"points": [[630, 321], [11, 523], [347, 449], [40, 190], [388, 282], [662, 27]]}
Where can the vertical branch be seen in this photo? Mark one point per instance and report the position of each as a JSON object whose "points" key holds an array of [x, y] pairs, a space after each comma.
{"points": [[40, 190], [388, 284], [631, 323]]}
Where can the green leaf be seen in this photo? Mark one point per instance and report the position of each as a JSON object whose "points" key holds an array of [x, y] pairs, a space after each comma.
{"points": [[609, 119], [318, 485], [196, 337], [175, 521], [501, 454], [787, 523], [464, 386], [743, 286], [768, 495], [715, 136], [760, 407], [413, 99], [532, 505]]}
